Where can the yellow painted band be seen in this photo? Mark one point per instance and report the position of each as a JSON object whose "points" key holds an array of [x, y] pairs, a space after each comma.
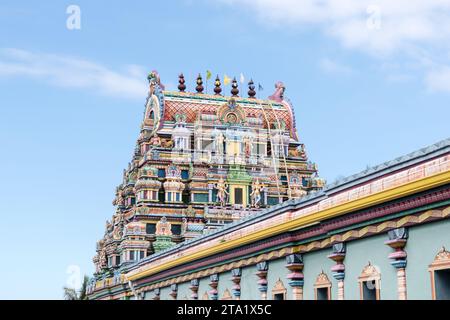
{"points": [[371, 200]]}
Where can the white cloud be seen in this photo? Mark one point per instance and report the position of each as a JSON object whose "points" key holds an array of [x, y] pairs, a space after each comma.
{"points": [[408, 30], [73, 72], [399, 78], [330, 66], [438, 79], [355, 22]]}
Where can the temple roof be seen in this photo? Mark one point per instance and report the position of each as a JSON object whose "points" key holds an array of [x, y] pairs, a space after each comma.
{"points": [[273, 112], [191, 104], [401, 163]]}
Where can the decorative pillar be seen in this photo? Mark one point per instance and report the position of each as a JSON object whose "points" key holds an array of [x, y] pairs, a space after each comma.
{"points": [[210, 192], [157, 293], [194, 288], [236, 278], [397, 241], [262, 268], [265, 192], [174, 291], [294, 263], [214, 282], [338, 270]]}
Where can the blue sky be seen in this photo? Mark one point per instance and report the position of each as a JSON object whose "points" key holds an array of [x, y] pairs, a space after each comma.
{"points": [[370, 81]]}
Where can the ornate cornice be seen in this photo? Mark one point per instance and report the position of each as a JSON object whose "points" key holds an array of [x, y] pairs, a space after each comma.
{"points": [[153, 282], [275, 254], [293, 215]]}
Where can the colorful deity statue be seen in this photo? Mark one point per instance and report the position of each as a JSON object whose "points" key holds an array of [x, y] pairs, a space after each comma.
{"points": [[296, 187], [279, 92], [219, 143], [257, 187], [154, 107], [294, 153], [102, 259], [118, 232], [117, 217], [221, 191], [155, 141], [163, 227], [167, 143], [190, 211], [154, 78], [184, 224], [247, 146], [302, 151]]}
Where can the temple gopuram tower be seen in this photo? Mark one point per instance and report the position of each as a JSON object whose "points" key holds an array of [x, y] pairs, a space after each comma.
{"points": [[202, 161]]}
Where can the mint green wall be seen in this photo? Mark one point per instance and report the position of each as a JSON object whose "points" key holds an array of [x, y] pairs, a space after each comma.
{"points": [[149, 295], [165, 293], [359, 253], [224, 283], [314, 263], [277, 270], [423, 244], [203, 287], [249, 288], [184, 293]]}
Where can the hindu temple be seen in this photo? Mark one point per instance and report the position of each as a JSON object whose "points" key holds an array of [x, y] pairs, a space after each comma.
{"points": [[202, 161], [220, 201]]}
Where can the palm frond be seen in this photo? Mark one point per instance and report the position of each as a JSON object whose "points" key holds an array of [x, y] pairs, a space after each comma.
{"points": [[70, 294], [82, 294]]}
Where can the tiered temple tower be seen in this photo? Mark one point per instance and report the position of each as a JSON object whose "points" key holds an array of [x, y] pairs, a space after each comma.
{"points": [[202, 161]]}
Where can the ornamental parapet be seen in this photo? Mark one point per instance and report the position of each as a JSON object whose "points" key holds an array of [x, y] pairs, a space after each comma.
{"points": [[228, 213], [106, 283]]}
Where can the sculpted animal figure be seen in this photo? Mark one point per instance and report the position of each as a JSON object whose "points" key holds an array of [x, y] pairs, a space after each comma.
{"points": [[167, 144]]}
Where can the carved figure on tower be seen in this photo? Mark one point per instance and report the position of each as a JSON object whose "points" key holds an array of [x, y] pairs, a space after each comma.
{"points": [[294, 153], [154, 78], [221, 191], [255, 195], [296, 188], [163, 227], [247, 146], [102, 259], [279, 92], [219, 143], [184, 224], [302, 151], [167, 143], [154, 108], [117, 232], [155, 141]]}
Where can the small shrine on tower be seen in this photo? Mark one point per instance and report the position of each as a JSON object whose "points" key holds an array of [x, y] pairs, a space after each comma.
{"points": [[202, 161]]}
